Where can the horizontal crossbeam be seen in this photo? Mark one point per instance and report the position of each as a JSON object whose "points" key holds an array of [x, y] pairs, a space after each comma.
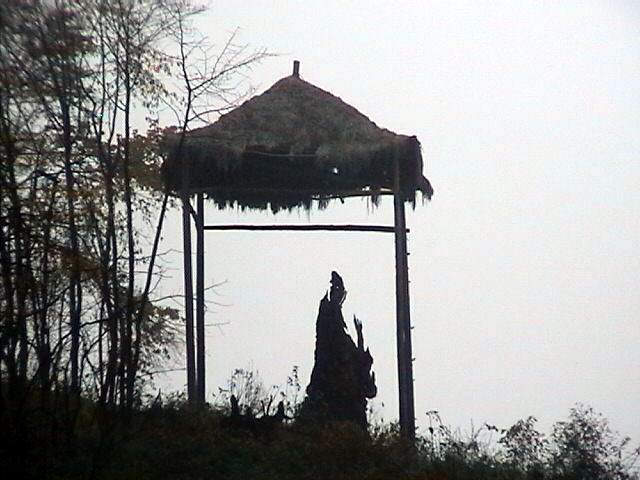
{"points": [[278, 192], [331, 228]]}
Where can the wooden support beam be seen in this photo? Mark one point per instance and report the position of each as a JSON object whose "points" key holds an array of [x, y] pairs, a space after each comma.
{"points": [[307, 228], [188, 297], [403, 318], [200, 338], [313, 194]]}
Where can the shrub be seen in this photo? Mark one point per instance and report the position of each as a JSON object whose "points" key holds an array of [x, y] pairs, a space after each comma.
{"points": [[585, 448]]}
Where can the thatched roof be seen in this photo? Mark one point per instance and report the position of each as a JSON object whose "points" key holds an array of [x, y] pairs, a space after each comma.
{"points": [[291, 145]]}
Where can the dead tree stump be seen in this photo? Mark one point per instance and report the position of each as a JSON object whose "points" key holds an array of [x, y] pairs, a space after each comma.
{"points": [[341, 380]]}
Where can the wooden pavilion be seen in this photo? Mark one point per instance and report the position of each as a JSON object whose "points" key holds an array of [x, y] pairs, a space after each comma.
{"points": [[295, 146]]}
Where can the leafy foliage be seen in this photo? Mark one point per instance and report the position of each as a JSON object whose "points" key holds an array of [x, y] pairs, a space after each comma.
{"points": [[584, 447]]}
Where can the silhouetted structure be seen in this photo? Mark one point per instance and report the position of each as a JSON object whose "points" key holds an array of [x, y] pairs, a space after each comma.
{"points": [[341, 380], [294, 145]]}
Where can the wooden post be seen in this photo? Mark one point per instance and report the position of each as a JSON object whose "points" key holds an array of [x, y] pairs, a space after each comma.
{"points": [[200, 348], [403, 319], [188, 292]]}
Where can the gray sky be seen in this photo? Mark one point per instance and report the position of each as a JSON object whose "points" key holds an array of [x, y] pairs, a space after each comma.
{"points": [[525, 265]]}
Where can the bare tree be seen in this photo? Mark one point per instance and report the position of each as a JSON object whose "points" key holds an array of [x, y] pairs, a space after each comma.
{"points": [[210, 83]]}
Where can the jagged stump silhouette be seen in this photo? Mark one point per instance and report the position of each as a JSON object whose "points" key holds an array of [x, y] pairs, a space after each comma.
{"points": [[341, 380]]}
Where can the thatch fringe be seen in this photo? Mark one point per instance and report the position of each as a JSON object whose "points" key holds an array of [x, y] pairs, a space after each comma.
{"points": [[291, 145]]}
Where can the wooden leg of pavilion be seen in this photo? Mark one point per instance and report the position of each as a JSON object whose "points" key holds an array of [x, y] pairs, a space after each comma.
{"points": [[188, 297], [403, 319], [200, 366]]}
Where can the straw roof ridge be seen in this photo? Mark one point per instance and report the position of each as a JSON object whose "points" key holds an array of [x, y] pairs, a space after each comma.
{"points": [[290, 144]]}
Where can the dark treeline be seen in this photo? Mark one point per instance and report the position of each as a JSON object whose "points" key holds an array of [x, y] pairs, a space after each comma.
{"points": [[80, 193]]}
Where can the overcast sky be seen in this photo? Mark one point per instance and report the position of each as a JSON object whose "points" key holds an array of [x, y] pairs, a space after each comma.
{"points": [[524, 268]]}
